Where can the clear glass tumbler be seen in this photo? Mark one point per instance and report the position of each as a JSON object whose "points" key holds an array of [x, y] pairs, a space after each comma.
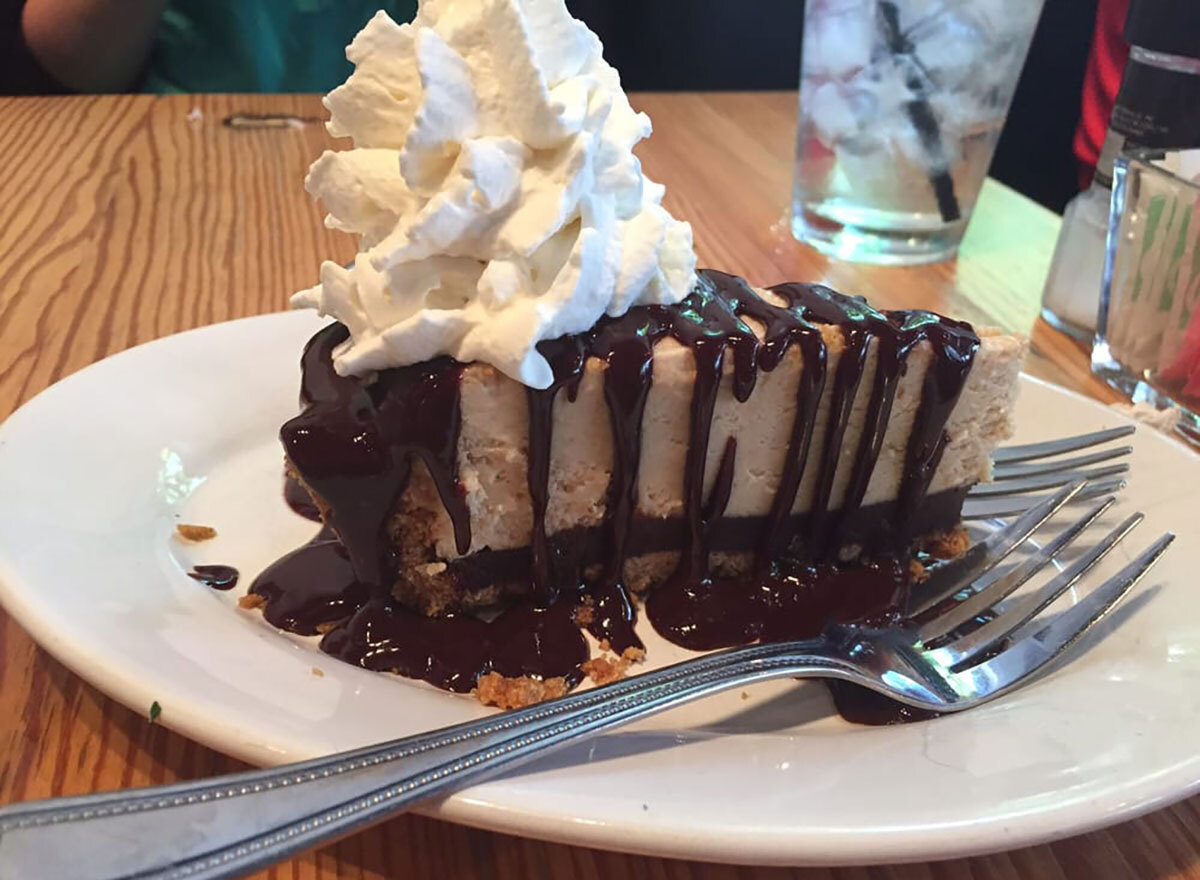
{"points": [[901, 106], [1147, 341]]}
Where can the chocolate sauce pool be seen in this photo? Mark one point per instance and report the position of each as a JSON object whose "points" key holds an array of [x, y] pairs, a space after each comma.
{"points": [[354, 443], [712, 613]]}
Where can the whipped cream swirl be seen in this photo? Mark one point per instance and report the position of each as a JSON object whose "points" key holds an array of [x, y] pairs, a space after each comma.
{"points": [[494, 189]]}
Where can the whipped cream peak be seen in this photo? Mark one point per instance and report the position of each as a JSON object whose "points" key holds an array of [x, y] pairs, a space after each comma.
{"points": [[494, 190]]}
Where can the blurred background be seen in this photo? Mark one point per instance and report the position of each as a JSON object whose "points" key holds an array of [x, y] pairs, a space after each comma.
{"points": [[63, 46]]}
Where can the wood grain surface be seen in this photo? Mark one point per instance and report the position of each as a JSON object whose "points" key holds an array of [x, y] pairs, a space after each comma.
{"points": [[123, 219]]}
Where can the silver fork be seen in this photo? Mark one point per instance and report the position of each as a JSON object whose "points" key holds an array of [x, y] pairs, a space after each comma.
{"points": [[1189, 433], [226, 827], [1020, 470]]}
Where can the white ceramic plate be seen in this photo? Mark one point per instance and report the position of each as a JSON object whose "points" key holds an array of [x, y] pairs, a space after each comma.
{"points": [[96, 472]]}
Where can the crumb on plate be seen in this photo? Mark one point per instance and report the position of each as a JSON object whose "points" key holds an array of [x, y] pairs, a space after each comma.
{"points": [[605, 670], [493, 689], [190, 532]]}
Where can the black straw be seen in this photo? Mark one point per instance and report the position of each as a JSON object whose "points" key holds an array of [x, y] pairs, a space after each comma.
{"points": [[920, 114]]}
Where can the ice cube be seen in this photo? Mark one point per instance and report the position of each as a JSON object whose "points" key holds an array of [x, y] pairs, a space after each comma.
{"points": [[838, 36], [949, 47], [830, 107]]}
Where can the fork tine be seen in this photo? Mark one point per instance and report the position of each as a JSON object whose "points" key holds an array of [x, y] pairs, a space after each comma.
{"points": [[948, 579], [980, 641], [999, 587], [1020, 661], [1044, 481], [1015, 505], [1025, 452], [1055, 465]]}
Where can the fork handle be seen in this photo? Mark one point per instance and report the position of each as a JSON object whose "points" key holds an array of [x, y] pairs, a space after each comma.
{"points": [[233, 825]]}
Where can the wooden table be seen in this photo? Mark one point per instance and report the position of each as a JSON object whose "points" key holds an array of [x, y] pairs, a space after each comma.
{"points": [[127, 218]]}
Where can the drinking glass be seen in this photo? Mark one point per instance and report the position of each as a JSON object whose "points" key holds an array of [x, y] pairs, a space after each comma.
{"points": [[1147, 341], [901, 106]]}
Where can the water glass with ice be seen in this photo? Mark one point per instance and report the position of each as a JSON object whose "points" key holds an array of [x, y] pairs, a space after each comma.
{"points": [[901, 106]]}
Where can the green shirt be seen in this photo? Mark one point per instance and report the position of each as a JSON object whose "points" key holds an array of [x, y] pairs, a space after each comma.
{"points": [[259, 45]]}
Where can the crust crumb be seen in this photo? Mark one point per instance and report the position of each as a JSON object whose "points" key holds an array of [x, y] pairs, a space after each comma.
{"points": [[493, 689], [251, 601], [606, 670], [949, 545], [191, 532], [318, 672]]}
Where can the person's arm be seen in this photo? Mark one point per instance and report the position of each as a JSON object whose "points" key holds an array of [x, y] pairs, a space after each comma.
{"points": [[92, 45]]}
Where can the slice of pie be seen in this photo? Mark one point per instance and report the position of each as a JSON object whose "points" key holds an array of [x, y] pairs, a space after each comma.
{"points": [[791, 437]]}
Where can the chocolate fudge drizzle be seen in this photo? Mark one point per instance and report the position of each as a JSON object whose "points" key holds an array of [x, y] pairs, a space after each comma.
{"points": [[354, 444], [626, 345], [708, 325], [566, 358], [298, 499]]}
